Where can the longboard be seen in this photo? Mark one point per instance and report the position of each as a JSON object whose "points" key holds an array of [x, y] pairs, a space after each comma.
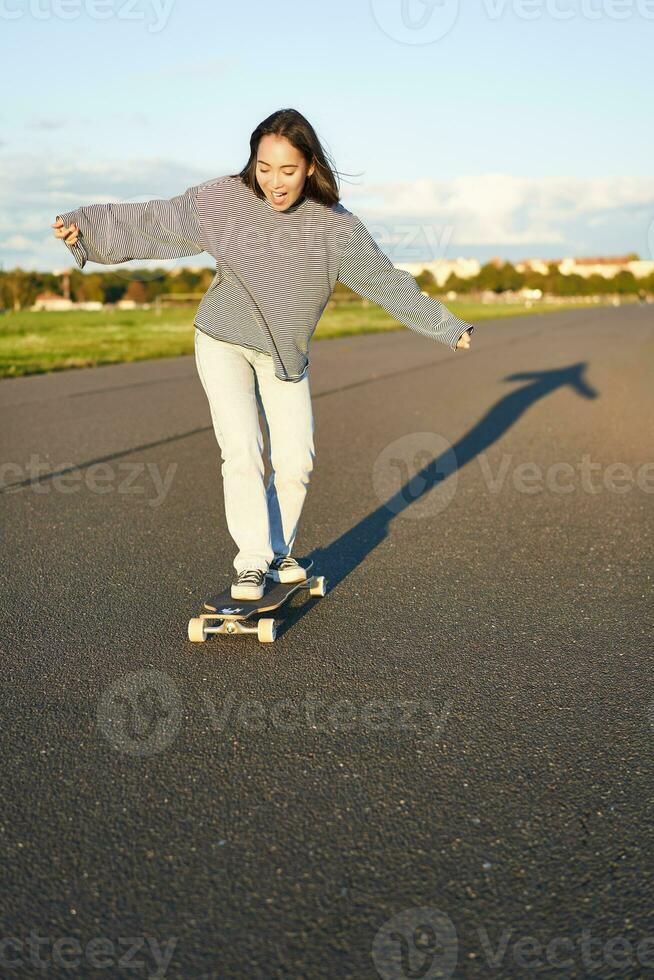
{"points": [[231, 615]]}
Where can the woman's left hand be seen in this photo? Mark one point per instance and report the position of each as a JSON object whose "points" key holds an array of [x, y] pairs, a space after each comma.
{"points": [[464, 340]]}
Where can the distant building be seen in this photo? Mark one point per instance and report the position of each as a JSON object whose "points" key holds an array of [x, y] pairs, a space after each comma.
{"points": [[51, 301], [534, 265], [441, 269], [601, 265], [607, 267]]}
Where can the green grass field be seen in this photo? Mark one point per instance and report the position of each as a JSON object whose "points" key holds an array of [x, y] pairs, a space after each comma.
{"points": [[34, 343]]}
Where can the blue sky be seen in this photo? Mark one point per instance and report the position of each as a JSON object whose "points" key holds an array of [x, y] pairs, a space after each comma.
{"points": [[501, 127]]}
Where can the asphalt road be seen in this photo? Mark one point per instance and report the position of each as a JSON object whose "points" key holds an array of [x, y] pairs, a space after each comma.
{"points": [[441, 768]]}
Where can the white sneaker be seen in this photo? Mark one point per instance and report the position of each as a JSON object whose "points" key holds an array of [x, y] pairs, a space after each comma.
{"points": [[286, 569], [249, 584]]}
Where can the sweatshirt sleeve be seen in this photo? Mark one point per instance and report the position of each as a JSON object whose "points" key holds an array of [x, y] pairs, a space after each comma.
{"points": [[161, 229], [369, 272]]}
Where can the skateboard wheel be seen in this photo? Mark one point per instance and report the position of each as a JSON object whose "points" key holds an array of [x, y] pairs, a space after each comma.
{"points": [[319, 587], [266, 630], [196, 630]]}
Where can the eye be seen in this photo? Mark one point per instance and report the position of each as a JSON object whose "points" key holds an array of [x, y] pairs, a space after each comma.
{"points": [[287, 173]]}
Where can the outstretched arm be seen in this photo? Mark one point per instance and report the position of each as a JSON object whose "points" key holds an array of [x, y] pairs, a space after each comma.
{"points": [[112, 233], [369, 272]]}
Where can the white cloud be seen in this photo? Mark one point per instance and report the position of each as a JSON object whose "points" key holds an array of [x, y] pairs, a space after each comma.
{"points": [[114, 118], [501, 209], [45, 124], [32, 193], [16, 243]]}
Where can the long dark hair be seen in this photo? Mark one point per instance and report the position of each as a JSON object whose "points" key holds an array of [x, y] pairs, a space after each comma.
{"points": [[322, 185]]}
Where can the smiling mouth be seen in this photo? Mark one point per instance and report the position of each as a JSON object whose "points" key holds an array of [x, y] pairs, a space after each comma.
{"points": [[279, 197]]}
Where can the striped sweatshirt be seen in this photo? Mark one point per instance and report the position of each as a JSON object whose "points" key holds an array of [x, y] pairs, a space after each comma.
{"points": [[275, 270]]}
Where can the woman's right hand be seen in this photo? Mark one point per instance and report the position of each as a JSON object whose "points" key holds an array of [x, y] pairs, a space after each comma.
{"points": [[69, 234], [463, 341]]}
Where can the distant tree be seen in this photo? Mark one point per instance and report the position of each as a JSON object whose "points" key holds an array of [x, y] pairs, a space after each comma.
{"points": [[535, 280], [20, 288], [343, 293], [427, 282], [572, 285], [184, 282], [87, 287], [113, 287], [205, 279], [493, 276], [136, 291], [458, 285], [625, 282], [510, 278]]}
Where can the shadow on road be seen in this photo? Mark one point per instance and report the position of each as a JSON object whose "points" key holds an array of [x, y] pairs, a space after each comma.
{"points": [[345, 553]]}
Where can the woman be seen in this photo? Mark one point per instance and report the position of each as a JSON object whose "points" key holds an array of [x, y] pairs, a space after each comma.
{"points": [[281, 240]]}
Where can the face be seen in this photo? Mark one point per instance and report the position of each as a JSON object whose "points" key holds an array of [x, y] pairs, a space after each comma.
{"points": [[281, 167]]}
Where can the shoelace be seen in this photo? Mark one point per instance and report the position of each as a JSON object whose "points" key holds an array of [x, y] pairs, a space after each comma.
{"points": [[286, 562], [251, 575]]}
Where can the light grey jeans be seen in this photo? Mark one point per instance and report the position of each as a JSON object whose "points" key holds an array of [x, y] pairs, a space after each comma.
{"points": [[238, 382]]}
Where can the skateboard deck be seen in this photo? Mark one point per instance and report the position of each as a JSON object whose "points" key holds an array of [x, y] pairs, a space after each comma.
{"points": [[231, 615]]}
